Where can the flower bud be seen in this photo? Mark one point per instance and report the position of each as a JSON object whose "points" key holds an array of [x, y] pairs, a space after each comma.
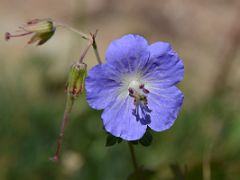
{"points": [[76, 79], [43, 30]]}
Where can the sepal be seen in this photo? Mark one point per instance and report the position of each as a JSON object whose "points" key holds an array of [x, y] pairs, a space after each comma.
{"points": [[76, 79]]}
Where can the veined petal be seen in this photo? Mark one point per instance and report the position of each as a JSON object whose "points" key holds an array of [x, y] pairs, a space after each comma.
{"points": [[165, 105], [119, 120], [164, 67], [129, 53], [102, 86], [136, 87], [141, 112]]}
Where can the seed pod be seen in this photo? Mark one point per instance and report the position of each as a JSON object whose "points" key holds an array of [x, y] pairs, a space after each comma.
{"points": [[76, 79]]}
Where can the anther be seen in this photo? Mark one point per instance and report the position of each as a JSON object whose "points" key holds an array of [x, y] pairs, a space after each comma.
{"points": [[145, 91], [131, 92], [7, 36], [141, 86]]}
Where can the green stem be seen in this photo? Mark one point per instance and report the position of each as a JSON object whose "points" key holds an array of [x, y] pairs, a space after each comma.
{"points": [[68, 109], [85, 52], [83, 35], [91, 38], [95, 48], [134, 161], [70, 99]]}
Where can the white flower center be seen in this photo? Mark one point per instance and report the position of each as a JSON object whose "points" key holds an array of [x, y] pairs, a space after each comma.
{"points": [[129, 81], [132, 82], [135, 85]]}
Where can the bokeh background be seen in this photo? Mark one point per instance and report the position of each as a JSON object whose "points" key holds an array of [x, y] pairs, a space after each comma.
{"points": [[202, 144]]}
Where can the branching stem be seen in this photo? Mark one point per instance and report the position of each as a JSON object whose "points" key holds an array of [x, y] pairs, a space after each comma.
{"points": [[70, 99], [95, 48]]}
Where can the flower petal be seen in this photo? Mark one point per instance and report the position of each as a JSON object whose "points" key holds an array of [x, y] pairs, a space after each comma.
{"points": [[129, 53], [165, 105], [165, 67], [101, 86], [130, 59], [120, 122]]}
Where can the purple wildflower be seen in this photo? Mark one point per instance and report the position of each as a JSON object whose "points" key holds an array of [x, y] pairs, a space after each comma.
{"points": [[136, 87]]}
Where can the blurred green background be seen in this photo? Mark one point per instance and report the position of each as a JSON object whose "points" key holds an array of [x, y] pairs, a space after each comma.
{"points": [[202, 144]]}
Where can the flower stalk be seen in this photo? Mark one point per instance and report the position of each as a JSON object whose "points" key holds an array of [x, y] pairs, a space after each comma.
{"points": [[66, 116], [91, 39], [92, 42], [74, 87], [133, 156], [65, 26], [75, 84], [95, 48]]}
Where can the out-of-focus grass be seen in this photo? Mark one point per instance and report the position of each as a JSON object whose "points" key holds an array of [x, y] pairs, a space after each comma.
{"points": [[32, 105]]}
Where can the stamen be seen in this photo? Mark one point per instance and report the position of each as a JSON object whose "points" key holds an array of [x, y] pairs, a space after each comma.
{"points": [[138, 98], [141, 86], [131, 95], [138, 92], [23, 29], [145, 91], [8, 35], [141, 110], [130, 90]]}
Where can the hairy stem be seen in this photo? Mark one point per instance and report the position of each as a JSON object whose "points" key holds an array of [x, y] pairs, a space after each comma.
{"points": [[68, 109], [70, 99]]}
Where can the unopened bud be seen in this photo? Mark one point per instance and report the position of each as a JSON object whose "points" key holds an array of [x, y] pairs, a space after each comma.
{"points": [[76, 79], [42, 30]]}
